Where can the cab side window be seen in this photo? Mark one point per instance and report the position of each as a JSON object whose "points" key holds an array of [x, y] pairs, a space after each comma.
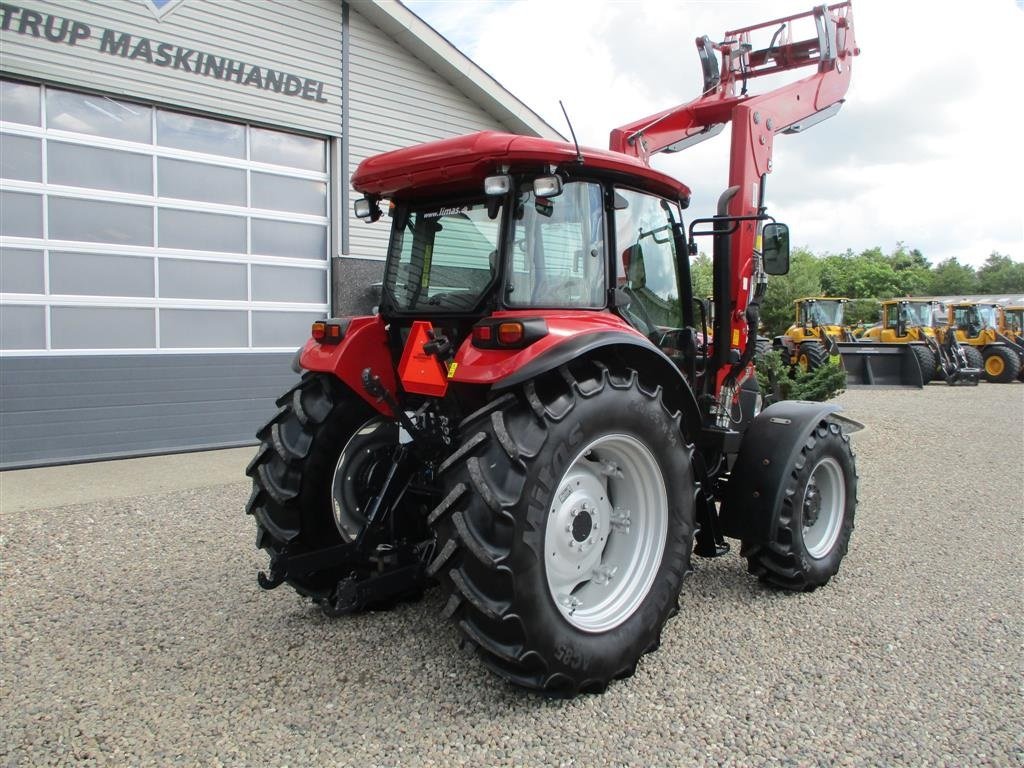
{"points": [[646, 261]]}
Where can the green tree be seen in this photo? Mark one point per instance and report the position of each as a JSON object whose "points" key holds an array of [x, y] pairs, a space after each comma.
{"points": [[1001, 274], [950, 277], [701, 276], [867, 275], [912, 271]]}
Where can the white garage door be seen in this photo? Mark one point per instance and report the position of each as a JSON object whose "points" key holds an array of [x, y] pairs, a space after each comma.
{"points": [[157, 270], [130, 229]]}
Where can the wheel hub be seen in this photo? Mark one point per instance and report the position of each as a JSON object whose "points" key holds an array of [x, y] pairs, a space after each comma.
{"points": [[359, 474], [823, 508], [582, 524], [812, 504], [606, 532]]}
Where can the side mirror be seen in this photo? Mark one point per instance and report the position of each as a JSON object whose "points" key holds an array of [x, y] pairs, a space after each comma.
{"points": [[775, 249]]}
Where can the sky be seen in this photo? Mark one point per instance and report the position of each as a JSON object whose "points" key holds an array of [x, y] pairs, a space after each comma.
{"points": [[926, 151]]}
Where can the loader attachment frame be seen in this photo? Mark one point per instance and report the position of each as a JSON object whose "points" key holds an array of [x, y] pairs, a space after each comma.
{"points": [[872, 364]]}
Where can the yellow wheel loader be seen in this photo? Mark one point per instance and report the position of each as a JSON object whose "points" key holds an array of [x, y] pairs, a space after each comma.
{"points": [[912, 322], [810, 342], [976, 327], [819, 335]]}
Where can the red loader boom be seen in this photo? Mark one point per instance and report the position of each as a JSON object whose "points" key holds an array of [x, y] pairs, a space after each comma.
{"points": [[755, 121]]}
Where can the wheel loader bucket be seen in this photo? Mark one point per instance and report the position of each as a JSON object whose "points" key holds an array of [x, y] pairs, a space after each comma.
{"points": [[880, 365]]}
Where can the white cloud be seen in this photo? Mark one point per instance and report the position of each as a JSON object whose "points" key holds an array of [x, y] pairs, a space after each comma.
{"points": [[925, 151]]}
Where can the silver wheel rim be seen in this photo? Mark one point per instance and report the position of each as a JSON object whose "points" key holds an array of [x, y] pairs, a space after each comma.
{"points": [[350, 521], [823, 505], [606, 532]]}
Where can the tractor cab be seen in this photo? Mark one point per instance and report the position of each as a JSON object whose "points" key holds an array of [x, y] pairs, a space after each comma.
{"points": [[511, 244]]}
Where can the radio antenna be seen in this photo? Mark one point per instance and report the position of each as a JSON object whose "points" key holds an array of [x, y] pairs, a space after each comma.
{"points": [[579, 155]]}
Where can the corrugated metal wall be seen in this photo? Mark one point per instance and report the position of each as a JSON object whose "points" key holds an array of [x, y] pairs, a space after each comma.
{"points": [[396, 101], [56, 409], [301, 39]]}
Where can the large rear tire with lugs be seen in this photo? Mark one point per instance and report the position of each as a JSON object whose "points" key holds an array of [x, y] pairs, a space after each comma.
{"points": [[566, 528], [811, 531], [294, 471]]}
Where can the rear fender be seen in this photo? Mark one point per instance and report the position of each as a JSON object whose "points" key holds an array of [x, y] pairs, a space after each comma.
{"points": [[364, 345], [765, 461], [572, 336]]}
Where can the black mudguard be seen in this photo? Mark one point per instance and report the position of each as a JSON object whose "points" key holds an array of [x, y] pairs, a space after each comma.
{"points": [[769, 448]]}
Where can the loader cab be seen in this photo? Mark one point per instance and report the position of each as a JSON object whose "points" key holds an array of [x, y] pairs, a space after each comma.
{"points": [[821, 312], [1013, 320], [902, 317], [973, 320]]}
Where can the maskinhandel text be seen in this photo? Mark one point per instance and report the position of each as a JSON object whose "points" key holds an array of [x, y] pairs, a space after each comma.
{"points": [[70, 32]]}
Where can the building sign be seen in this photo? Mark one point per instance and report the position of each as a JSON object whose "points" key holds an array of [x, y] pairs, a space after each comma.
{"points": [[149, 52], [160, 7]]}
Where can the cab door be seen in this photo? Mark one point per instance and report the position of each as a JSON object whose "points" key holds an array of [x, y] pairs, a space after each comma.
{"points": [[647, 265]]}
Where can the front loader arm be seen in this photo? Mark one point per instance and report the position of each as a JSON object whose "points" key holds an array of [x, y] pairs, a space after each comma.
{"points": [[755, 120]]}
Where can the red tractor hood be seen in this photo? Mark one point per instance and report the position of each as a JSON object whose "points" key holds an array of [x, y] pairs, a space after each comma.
{"points": [[462, 163]]}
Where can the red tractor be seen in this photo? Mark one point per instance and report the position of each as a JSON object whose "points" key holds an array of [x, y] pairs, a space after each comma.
{"points": [[539, 418]]}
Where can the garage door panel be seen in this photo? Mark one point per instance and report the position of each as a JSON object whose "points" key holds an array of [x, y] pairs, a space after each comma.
{"points": [[131, 237], [40, 428]]}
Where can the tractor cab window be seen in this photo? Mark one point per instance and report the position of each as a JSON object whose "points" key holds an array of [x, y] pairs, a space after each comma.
{"points": [[1015, 319], [442, 257], [558, 252], [646, 262]]}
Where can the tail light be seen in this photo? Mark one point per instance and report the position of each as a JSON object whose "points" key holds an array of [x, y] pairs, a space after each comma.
{"points": [[505, 333], [329, 331]]}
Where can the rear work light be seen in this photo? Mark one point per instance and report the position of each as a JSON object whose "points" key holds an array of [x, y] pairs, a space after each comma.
{"points": [[329, 331], [503, 333]]}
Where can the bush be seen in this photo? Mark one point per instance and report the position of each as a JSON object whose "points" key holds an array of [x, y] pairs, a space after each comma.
{"points": [[780, 381]]}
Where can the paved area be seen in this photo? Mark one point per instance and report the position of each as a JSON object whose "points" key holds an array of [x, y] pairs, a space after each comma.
{"points": [[133, 632]]}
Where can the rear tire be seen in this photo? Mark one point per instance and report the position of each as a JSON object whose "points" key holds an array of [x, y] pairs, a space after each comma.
{"points": [[926, 359], [1001, 365], [293, 471], [508, 538], [811, 532], [812, 355]]}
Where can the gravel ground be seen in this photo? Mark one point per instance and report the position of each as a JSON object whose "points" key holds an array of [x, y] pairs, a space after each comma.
{"points": [[134, 633]]}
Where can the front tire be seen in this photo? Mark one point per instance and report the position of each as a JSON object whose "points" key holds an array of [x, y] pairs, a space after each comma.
{"points": [[566, 528], [812, 356], [926, 359], [974, 358], [811, 531]]}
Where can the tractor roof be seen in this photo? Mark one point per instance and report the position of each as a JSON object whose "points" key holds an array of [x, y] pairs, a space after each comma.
{"points": [[460, 164], [820, 298]]}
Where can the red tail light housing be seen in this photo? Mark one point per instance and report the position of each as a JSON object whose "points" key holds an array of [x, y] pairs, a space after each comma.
{"points": [[508, 333], [330, 331]]}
